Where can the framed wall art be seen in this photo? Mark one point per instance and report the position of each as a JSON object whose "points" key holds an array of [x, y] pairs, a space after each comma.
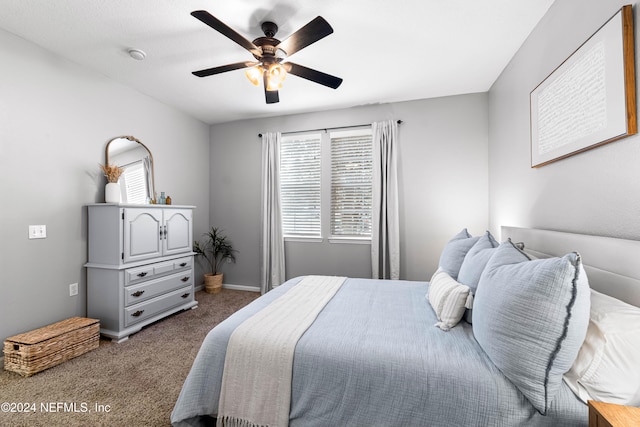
{"points": [[590, 99]]}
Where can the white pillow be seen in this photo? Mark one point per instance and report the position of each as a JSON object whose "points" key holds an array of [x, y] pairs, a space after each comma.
{"points": [[608, 364], [448, 299]]}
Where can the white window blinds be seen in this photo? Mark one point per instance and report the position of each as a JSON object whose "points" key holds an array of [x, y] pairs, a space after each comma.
{"points": [[351, 177], [300, 176]]}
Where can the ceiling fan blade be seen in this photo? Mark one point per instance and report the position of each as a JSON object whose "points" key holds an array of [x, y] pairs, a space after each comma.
{"points": [[224, 29], [224, 68], [315, 30], [271, 96], [313, 75]]}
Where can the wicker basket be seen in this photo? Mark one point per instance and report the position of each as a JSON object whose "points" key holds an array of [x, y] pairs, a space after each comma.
{"points": [[37, 350], [213, 283]]}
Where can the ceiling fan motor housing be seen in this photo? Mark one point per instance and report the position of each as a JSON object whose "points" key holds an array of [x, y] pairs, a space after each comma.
{"points": [[268, 43], [268, 47], [269, 28]]}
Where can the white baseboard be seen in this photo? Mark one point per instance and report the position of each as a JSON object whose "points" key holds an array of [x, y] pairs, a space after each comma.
{"points": [[241, 287], [233, 287]]}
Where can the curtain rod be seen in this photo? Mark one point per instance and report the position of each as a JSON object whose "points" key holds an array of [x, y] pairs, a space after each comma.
{"points": [[334, 128]]}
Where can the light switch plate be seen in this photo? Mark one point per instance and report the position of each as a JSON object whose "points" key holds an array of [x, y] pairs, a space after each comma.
{"points": [[37, 231]]}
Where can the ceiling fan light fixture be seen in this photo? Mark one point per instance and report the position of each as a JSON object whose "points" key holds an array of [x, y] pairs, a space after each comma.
{"points": [[275, 77], [254, 74], [275, 74]]}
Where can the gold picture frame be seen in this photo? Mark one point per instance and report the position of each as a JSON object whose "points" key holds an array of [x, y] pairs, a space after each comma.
{"points": [[590, 99]]}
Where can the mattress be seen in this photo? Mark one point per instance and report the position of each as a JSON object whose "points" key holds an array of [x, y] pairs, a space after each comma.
{"points": [[373, 357]]}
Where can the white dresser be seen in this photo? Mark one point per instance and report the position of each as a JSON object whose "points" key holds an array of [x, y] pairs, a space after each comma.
{"points": [[140, 265]]}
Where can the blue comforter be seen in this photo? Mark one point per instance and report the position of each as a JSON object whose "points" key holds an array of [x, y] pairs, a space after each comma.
{"points": [[373, 357]]}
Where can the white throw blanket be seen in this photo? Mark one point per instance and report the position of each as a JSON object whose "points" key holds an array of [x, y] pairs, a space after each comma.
{"points": [[256, 382]]}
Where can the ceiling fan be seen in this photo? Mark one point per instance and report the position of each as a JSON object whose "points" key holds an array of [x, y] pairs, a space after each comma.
{"points": [[270, 54]]}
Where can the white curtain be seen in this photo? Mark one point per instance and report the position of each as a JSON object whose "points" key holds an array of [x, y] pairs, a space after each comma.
{"points": [[385, 227], [272, 242]]}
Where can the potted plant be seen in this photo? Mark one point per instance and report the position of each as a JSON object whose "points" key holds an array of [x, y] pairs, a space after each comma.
{"points": [[216, 248]]}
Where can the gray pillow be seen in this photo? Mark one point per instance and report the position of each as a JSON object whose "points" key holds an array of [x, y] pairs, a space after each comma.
{"points": [[475, 261], [531, 318], [454, 252]]}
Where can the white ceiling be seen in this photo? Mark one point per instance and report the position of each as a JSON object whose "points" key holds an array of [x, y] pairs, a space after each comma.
{"points": [[386, 51]]}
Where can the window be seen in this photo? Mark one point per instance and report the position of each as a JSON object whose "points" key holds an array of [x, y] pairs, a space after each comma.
{"points": [[325, 181], [351, 174], [300, 177]]}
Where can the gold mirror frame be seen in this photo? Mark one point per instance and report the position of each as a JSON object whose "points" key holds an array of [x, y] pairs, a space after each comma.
{"points": [[136, 140]]}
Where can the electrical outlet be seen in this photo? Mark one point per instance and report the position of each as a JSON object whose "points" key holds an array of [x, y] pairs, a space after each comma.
{"points": [[37, 232], [73, 289]]}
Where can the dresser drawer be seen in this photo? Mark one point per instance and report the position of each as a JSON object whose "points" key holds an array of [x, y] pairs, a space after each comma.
{"points": [[151, 271], [139, 274], [182, 263], [139, 312], [135, 294]]}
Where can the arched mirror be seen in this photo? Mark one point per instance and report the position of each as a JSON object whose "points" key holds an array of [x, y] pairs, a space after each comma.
{"points": [[137, 182]]}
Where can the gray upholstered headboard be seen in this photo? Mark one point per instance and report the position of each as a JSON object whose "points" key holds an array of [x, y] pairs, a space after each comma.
{"points": [[612, 265]]}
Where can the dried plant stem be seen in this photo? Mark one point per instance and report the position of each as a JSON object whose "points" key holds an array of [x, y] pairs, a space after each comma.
{"points": [[112, 172]]}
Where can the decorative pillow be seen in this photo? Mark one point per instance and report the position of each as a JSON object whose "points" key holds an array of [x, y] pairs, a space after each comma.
{"points": [[454, 252], [448, 299], [608, 364], [475, 261], [531, 317]]}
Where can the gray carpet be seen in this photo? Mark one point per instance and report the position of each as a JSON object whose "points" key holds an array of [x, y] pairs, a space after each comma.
{"points": [[135, 383]]}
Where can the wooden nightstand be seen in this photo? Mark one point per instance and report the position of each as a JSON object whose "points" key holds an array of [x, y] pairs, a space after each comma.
{"points": [[603, 414]]}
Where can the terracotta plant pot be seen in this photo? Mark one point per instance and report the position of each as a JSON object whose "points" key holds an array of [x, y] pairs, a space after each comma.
{"points": [[213, 283]]}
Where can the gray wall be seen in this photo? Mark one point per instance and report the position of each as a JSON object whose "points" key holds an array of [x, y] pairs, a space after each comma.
{"points": [[443, 181], [56, 117], [595, 192], [55, 120]]}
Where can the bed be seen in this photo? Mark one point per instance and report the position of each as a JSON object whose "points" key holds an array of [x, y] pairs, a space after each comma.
{"points": [[374, 357]]}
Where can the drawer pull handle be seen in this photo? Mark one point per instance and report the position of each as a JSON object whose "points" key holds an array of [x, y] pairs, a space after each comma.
{"points": [[184, 279], [137, 293], [144, 273], [186, 295], [183, 264], [137, 313]]}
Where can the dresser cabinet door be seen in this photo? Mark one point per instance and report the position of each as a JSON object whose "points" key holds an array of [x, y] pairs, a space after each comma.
{"points": [[177, 231], [142, 228]]}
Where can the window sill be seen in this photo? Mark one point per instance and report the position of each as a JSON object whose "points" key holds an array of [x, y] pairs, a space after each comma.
{"points": [[351, 240], [304, 239], [334, 240]]}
